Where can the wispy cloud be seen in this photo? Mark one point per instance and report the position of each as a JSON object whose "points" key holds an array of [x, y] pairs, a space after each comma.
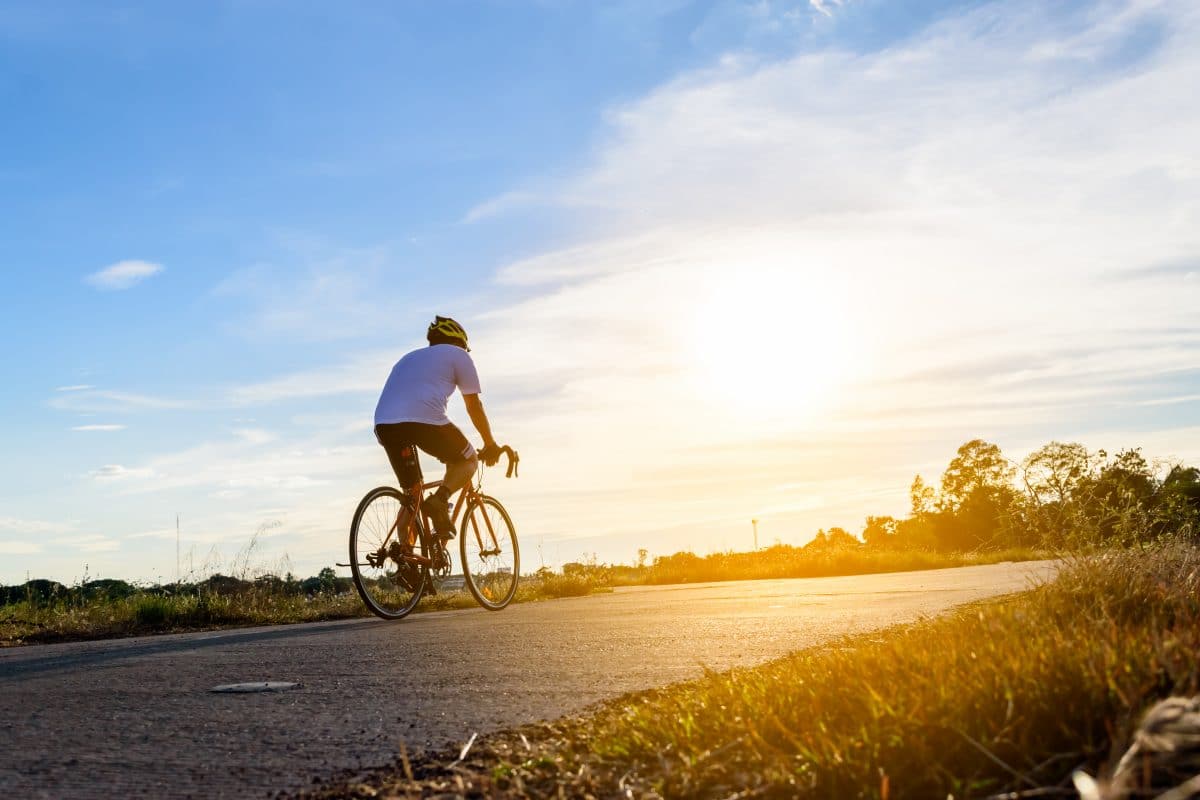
{"points": [[362, 374], [1173, 269], [90, 543], [255, 435], [945, 216], [942, 204], [19, 548], [118, 472], [87, 399], [314, 292], [99, 427], [16, 525], [123, 275], [79, 387], [500, 204], [825, 7]]}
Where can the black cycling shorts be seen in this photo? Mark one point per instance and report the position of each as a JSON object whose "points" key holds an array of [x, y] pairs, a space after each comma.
{"points": [[446, 443]]}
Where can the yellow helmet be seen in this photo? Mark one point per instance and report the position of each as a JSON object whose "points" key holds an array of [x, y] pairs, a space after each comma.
{"points": [[444, 330]]}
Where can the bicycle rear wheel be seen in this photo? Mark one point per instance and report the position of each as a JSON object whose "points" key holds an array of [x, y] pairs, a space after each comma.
{"points": [[491, 560], [387, 570]]}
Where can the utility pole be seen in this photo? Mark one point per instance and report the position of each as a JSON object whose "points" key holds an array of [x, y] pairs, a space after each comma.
{"points": [[754, 522], [177, 575]]}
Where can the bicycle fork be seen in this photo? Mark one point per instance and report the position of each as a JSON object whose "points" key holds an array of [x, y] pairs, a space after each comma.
{"points": [[487, 521]]}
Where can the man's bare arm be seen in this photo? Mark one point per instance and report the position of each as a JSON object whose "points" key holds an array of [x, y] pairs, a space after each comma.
{"points": [[479, 418]]}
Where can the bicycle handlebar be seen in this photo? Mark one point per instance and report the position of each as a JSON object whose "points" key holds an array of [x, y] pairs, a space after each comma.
{"points": [[513, 460]]}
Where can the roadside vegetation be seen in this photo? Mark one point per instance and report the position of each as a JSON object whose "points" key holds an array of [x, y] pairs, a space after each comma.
{"points": [[44, 612], [1062, 499], [1002, 699]]}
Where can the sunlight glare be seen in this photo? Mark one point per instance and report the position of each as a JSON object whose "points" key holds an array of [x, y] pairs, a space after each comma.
{"points": [[770, 345]]}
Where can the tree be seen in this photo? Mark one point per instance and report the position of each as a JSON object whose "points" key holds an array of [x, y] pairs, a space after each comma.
{"points": [[1056, 472], [327, 579], [1120, 498], [840, 537], [1183, 482], [1177, 506], [922, 497], [1056, 478], [879, 531], [977, 466]]}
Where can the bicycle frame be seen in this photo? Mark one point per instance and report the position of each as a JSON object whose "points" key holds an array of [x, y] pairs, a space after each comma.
{"points": [[417, 492], [410, 543]]}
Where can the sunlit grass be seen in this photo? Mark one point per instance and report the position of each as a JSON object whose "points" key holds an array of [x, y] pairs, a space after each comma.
{"points": [[78, 615], [141, 613], [1009, 695], [100, 617], [784, 561]]}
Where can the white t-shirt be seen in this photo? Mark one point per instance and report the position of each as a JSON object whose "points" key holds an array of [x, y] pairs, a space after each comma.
{"points": [[421, 383]]}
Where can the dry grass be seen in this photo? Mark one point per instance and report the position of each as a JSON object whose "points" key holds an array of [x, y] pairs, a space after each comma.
{"points": [[785, 561], [76, 618], [1008, 696], [102, 618]]}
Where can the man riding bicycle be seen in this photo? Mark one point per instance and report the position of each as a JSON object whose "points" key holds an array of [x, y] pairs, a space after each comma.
{"points": [[412, 411]]}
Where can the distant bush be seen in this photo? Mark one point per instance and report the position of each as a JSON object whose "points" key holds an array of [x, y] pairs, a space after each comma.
{"points": [[151, 611], [548, 584]]}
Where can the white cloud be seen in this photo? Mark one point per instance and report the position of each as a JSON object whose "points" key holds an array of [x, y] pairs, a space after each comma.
{"points": [[89, 543], [87, 399], [361, 374], [975, 221], [20, 548], [118, 472], [123, 274], [316, 293], [101, 427], [255, 435], [496, 206], [79, 387], [951, 210], [823, 6], [32, 526]]}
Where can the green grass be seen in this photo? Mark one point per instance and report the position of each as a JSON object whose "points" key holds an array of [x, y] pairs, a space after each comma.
{"points": [[76, 615], [142, 613], [1007, 696]]}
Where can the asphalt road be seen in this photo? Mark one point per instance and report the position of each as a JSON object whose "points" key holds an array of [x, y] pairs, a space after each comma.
{"points": [[136, 717]]}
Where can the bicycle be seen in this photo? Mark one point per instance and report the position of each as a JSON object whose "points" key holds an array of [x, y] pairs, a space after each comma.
{"points": [[396, 558]]}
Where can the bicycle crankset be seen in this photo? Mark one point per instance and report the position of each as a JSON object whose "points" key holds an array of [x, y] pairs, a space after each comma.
{"points": [[441, 562]]}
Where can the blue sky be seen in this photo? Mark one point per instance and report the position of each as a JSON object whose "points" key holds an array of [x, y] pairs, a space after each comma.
{"points": [[962, 219]]}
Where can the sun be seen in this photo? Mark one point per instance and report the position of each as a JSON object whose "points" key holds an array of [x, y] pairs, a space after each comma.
{"points": [[770, 345]]}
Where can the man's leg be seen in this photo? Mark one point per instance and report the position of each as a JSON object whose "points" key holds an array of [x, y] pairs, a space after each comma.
{"points": [[459, 474], [452, 448]]}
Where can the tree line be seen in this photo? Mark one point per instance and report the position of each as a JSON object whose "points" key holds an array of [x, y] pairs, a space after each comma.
{"points": [[42, 591], [1061, 496]]}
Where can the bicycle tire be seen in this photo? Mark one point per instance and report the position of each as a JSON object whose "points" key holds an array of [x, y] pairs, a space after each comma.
{"points": [[491, 569], [389, 595]]}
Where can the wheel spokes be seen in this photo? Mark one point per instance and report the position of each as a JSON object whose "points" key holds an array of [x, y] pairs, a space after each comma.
{"points": [[489, 553], [386, 564]]}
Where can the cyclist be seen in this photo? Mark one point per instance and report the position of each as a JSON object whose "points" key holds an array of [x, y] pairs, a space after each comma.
{"points": [[412, 411]]}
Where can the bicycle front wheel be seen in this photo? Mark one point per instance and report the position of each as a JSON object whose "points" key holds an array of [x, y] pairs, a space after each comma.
{"points": [[491, 562], [386, 555]]}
